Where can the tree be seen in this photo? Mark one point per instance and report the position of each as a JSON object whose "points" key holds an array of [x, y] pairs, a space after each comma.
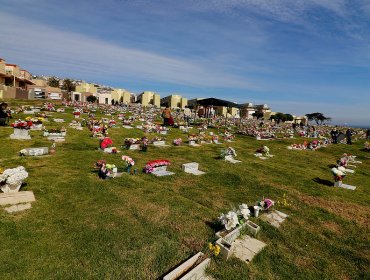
{"points": [[319, 118], [91, 98], [258, 115], [289, 117], [53, 82], [68, 85]]}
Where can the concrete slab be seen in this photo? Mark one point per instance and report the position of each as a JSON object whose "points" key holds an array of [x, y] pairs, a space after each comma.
{"points": [[18, 208], [246, 248], [274, 218], [16, 197]]}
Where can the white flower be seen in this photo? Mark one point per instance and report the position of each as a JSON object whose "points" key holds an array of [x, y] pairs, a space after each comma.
{"points": [[14, 176], [243, 208], [342, 169], [230, 220]]}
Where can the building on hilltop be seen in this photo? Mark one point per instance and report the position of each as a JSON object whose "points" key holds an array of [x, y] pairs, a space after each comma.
{"points": [[14, 81], [87, 87], [215, 106], [149, 98], [174, 101], [122, 96]]}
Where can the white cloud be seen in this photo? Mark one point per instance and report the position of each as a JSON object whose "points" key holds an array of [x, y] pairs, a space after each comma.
{"points": [[46, 49]]}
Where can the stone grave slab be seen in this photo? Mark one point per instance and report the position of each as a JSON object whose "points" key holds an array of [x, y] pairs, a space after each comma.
{"points": [[134, 147], [56, 138], [274, 218], [348, 187], [18, 208], [193, 144], [127, 127], [350, 171], [192, 168], [162, 173], [246, 248], [16, 197], [35, 151], [231, 159], [29, 112], [20, 134], [183, 272], [59, 120], [160, 144]]}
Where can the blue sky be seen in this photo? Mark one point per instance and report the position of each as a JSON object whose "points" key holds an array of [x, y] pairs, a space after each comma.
{"points": [[298, 56]]}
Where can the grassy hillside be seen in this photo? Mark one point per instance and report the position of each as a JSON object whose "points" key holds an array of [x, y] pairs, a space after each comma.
{"points": [[140, 227]]}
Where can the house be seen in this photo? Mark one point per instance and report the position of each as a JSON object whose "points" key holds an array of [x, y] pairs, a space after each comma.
{"points": [[247, 110], [13, 81], [149, 98], [174, 101], [87, 87], [121, 95]]}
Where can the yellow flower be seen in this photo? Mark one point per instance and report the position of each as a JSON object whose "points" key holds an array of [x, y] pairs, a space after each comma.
{"points": [[210, 246], [217, 250]]}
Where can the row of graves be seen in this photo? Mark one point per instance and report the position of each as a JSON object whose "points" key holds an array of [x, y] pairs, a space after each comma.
{"points": [[238, 237]]}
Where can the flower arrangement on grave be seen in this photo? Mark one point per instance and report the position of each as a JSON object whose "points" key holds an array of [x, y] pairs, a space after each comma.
{"points": [[228, 152], [228, 136], [367, 146], [112, 123], [177, 141], [193, 137], [106, 171], [129, 162], [214, 249], [77, 113], [266, 204], [131, 141], [229, 220], [338, 174], [127, 122], [11, 179], [150, 165], [284, 202], [235, 217], [156, 139], [21, 124], [35, 120], [215, 138], [144, 144], [264, 150]]}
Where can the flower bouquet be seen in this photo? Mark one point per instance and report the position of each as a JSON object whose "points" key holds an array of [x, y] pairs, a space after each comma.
{"points": [[144, 144], [112, 123], [77, 114], [129, 162], [22, 124], [153, 165], [265, 204], [177, 142], [339, 174], [11, 179], [228, 152], [131, 141]]}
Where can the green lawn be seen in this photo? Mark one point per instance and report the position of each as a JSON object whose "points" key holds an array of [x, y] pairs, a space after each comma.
{"points": [[140, 227]]}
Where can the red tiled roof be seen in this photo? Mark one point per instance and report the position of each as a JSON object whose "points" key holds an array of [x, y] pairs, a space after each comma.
{"points": [[8, 64]]}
